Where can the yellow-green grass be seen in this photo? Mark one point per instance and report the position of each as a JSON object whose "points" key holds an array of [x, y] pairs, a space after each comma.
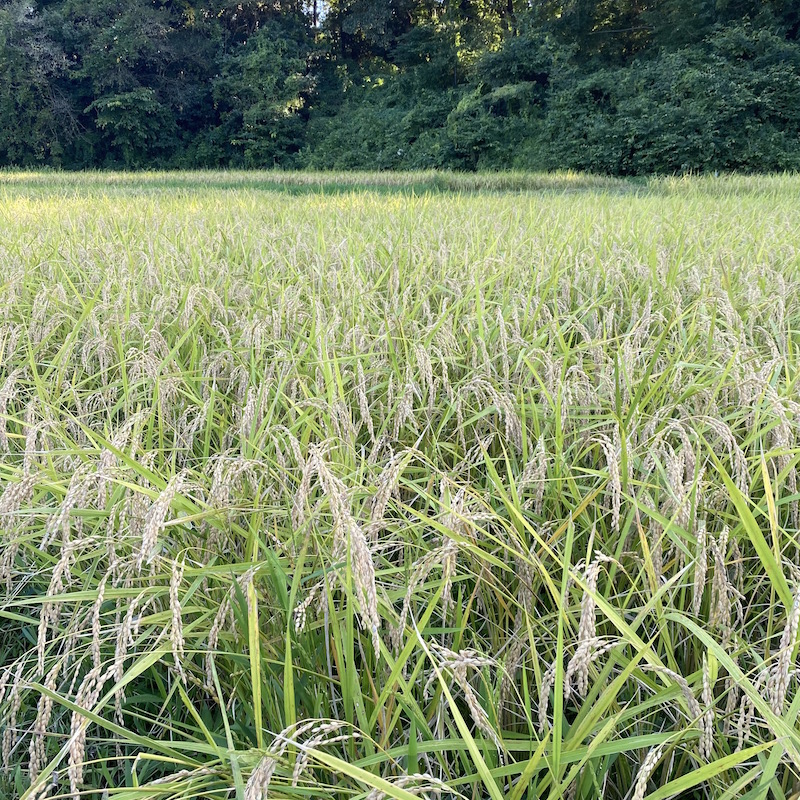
{"points": [[421, 485]]}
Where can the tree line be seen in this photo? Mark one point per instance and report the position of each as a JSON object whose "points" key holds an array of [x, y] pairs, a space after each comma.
{"points": [[624, 87]]}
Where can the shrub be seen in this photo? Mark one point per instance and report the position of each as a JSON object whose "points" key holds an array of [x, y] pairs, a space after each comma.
{"points": [[732, 103]]}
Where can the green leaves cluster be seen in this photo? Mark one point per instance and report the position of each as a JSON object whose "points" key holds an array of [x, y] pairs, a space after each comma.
{"points": [[613, 86], [733, 103]]}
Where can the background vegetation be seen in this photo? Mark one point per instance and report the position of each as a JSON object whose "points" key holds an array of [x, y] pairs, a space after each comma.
{"points": [[365, 486], [624, 87]]}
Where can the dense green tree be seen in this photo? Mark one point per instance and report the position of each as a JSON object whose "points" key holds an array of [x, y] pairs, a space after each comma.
{"points": [[624, 86], [676, 23], [35, 117], [119, 57], [261, 92], [732, 104]]}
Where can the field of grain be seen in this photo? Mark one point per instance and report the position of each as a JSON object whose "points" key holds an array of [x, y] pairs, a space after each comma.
{"points": [[369, 486]]}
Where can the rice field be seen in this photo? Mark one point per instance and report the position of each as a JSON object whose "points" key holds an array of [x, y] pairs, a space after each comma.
{"points": [[422, 486]]}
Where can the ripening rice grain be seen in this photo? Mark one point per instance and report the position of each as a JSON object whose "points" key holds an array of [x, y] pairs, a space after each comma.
{"points": [[155, 519], [532, 431], [645, 771], [778, 683]]}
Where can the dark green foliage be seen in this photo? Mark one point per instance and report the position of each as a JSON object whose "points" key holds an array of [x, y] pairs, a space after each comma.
{"points": [[616, 86], [487, 127], [34, 117], [260, 93], [137, 124], [395, 123], [732, 104]]}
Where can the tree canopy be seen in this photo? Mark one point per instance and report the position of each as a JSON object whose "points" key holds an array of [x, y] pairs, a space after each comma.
{"points": [[619, 86]]}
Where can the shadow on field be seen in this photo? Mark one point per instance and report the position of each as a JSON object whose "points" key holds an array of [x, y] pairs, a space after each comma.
{"points": [[137, 184], [305, 183]]}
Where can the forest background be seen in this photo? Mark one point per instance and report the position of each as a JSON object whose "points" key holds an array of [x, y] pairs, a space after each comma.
{"points": [[623, 87]]}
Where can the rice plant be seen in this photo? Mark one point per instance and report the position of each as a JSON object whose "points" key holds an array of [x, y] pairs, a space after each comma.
{"points": [[330, 486]]}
